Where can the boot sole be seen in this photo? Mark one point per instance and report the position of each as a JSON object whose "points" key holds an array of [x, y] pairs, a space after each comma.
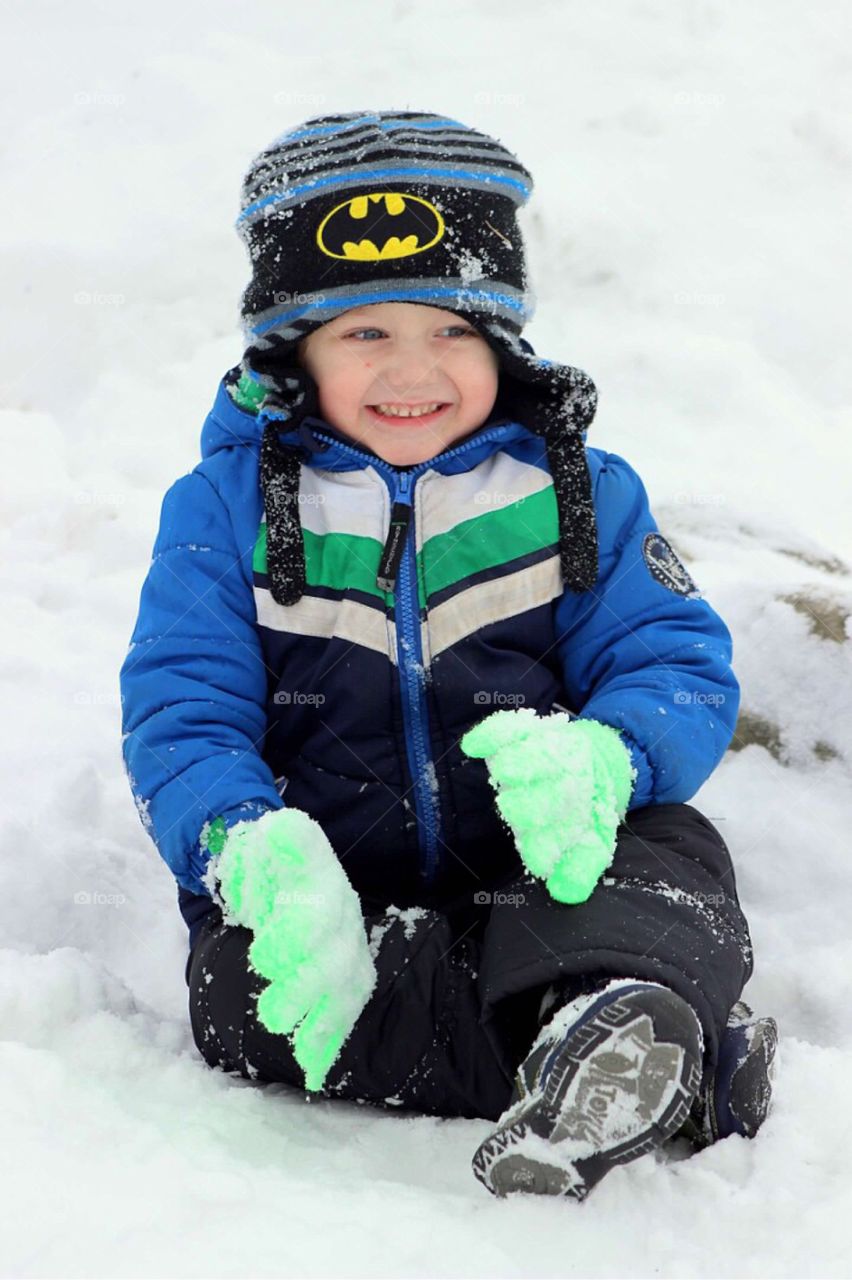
{"points": [[616, 1088]]}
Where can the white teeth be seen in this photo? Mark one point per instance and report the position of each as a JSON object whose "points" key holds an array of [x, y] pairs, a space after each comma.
{"points": [[398, 411]]}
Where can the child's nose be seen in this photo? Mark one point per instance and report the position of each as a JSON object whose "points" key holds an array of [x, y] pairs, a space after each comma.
{"points": [[409, 368]]}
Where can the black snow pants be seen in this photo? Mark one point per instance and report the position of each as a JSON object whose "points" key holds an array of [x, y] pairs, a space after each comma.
{"points": [[455, 1007]]}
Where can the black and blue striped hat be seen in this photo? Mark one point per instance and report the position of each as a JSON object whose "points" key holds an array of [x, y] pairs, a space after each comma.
{"points": [[406, 206], [388, 206]]}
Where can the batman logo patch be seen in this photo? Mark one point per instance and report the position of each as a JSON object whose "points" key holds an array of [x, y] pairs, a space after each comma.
{"points": [[381, 225], [665, 567]]}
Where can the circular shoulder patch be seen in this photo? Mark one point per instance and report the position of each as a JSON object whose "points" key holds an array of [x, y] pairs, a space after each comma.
{"points": [[665, 566]]}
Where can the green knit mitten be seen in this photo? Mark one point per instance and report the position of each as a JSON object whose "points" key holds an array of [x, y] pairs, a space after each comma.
{"points": [[279, 876], [563, 786]]}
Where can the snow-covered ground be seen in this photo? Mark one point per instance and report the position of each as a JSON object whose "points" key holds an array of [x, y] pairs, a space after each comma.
{"points": [[689, 242]]}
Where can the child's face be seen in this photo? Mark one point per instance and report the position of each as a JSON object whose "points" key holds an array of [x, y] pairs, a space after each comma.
{"points": [[395, 354]]}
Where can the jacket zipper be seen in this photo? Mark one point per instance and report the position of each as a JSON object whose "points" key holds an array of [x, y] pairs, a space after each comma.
{"points": [[415, 715], [397, 573]]}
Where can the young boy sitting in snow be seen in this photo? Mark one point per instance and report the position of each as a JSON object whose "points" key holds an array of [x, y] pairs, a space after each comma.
{"points": [[418, 692]]}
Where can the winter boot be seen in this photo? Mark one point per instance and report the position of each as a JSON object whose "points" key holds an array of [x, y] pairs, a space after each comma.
{"points": [[612, 1075], [738, 1097]]}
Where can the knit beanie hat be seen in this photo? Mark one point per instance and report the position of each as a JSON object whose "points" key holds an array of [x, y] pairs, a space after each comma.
{"points": [[392, 206]]}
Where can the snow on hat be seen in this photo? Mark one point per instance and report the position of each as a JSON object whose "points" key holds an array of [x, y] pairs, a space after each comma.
{"points": [[396, 206], [348, 210]]}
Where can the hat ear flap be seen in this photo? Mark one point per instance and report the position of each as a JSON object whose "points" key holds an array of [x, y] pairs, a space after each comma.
{"points": [[556, 402], [298, 397], [552, 400], [291, 390]]}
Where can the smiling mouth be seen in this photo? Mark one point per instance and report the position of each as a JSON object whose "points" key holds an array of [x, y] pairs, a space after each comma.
{"points": [[425, 413]]}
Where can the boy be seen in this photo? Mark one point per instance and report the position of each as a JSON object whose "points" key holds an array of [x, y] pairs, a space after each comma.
{"points": [[397, 586]]}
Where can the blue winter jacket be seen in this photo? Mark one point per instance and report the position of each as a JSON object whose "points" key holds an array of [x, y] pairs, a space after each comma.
{"points": [[350, 703]]}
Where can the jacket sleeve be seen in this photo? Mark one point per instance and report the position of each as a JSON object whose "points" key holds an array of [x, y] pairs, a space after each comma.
{"points": [[644, 652], [194, 684]]}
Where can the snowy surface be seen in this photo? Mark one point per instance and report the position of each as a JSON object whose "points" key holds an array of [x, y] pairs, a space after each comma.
{"points": [[690, 249]]}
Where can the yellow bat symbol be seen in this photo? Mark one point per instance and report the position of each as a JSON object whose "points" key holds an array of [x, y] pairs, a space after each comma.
{"points": [[381, 225]]}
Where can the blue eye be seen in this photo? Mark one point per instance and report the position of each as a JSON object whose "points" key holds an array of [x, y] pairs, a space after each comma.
{"points": [[461, 330], [357, 333]]}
